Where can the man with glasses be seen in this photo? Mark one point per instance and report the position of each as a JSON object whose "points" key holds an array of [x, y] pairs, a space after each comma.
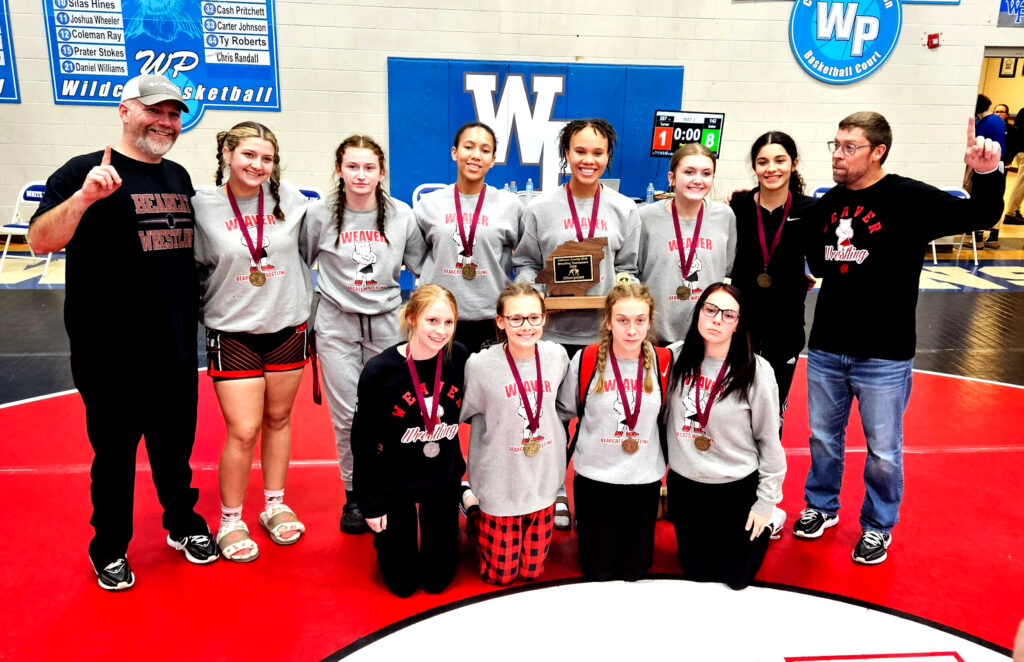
{"points": [[875, 227]]}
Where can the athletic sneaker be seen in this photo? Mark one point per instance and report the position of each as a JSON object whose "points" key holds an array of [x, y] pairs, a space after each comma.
{"points": [[776, 523], [812, 523], [198, 549], [467, 500], [116, 576], [872, 548]]}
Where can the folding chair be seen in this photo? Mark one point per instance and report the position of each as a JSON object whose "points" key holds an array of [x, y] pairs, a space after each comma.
{"points": [[30, 194]]}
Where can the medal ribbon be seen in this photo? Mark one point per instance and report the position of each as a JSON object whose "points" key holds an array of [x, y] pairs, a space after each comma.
{"points": [[631, 417], [765, 253], [576, 219], [705, 416], [467, 245], [533, 418], [430, 422], [684, 265], [253, 250]]}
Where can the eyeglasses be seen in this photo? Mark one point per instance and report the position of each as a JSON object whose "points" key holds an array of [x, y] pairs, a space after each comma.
{"points": [[729, 316], [849, 149], [516, 321]]}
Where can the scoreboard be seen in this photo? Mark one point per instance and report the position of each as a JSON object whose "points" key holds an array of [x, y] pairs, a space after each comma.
{"points": [[673, 128]]}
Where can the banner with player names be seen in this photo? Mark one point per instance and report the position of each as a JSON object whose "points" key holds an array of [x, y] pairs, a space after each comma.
{"points": [[222, 54], [9, 92]]}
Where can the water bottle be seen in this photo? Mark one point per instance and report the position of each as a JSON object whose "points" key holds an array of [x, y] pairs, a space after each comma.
{"points": [[512, 188], [529, 189], [650, 192], [505, 188]]}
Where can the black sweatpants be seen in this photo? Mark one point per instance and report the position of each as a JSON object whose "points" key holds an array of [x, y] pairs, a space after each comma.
{"points": [[709, 520], [432, 563], [123, 405], [474, 333], [615, 528]]}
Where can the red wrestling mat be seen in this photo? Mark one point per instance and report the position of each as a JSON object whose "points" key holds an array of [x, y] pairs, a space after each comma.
{"points": [[956, 558]]}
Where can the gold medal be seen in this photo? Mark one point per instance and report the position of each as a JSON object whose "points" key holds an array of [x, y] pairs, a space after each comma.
{"points": [[683, 293], [630, 445], [469, 271], [431, 449], [702, 443], [764, 280], [257, 278], [531, 448]]}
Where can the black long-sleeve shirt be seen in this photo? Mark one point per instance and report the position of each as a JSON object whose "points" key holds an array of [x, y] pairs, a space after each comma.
{"points": [[870, 252], [389, 435]]}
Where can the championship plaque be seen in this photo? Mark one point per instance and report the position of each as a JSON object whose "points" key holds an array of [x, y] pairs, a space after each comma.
{"points": [[571, 270]]}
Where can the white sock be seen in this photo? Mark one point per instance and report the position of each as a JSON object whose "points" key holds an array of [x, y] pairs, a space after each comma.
{"points": [[272, 498], [229, 515]]}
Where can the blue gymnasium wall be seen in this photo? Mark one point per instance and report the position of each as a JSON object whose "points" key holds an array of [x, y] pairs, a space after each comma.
{"points": [[428, 100]]}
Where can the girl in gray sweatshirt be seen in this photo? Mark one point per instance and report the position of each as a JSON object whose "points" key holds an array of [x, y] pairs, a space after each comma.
{"points": [[514, 392], [726, 462], [686, 243], [619, 459]]}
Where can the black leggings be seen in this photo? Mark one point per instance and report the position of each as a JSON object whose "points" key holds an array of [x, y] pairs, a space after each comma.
{"points": [[615, 528], [709, 520], [431, 564]]}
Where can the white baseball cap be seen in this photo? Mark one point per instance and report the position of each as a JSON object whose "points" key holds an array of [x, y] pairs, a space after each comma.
{"points": [[151, 89]]}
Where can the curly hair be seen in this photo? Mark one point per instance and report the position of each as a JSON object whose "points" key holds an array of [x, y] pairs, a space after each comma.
{"points": [[602, 127], [230, 140]]}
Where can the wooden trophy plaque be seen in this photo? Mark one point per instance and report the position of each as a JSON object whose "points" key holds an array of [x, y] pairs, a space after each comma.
{"points": [[571, 270]]}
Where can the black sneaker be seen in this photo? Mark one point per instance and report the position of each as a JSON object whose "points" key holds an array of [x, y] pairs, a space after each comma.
{"points": [[352, 520], [199, 549], [872, 548], [116, 576], [812, 523], [1013, 219]]}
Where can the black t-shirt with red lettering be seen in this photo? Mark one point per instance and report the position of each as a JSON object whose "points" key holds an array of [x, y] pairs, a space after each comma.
{"points": [[131, 284], [869, 254], [396, 458]]}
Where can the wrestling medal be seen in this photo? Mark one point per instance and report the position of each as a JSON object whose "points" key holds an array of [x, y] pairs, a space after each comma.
{"points": [[702, 443], [257, 278], [630, 445], [430, 421], [469, 271], [683, 293], [531, 448], [764, 280], [431, 449]]}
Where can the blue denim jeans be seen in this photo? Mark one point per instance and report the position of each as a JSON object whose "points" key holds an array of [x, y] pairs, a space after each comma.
{"points": [[882, 389]]}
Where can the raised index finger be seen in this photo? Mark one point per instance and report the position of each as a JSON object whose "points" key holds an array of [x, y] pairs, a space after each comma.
{"points": [[106, 156], [970, 132]]}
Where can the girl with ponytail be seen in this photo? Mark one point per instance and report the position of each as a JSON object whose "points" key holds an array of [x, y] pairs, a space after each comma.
{"points": [[362, 237], [255, 296], [619, 459]]}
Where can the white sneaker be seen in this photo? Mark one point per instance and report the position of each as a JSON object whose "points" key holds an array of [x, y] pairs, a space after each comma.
{"points": [[776, 523]]}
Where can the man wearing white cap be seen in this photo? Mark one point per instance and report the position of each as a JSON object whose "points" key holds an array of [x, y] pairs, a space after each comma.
{"points": [[130, 311]]}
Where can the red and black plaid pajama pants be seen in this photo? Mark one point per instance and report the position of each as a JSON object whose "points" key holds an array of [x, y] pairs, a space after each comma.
{"points": [[514, 546]]}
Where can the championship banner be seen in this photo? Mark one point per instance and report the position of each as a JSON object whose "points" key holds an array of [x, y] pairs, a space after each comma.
{"points": [[9, 92], [527, 104], [221, 54]]}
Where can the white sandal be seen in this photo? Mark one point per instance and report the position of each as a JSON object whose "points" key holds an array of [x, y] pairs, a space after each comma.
{"points": [[281, 519], [242, 543]]}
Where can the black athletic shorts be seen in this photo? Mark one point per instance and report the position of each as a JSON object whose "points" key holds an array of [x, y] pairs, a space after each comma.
{"points": [[244, 355]]}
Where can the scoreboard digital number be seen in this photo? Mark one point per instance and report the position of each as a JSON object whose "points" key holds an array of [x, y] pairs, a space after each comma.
{"points": [[673, 128]]}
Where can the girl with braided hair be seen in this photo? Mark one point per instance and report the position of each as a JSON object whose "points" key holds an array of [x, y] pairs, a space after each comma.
{"points": [[255, 296], [726, 463], [362, 237], [619, 459]]}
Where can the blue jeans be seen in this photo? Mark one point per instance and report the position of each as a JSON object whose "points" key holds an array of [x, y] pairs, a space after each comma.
{"points": [[882, 389]]}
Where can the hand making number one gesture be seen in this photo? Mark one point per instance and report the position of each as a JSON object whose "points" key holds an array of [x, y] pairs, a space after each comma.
{"points": [[102, 180], [983, 154]]}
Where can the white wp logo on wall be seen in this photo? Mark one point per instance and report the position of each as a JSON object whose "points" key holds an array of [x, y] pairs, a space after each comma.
{"points": [[841, 41], [535, 130]]}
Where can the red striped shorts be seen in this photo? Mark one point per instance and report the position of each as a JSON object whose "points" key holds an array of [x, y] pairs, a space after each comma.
{"points": [[243, 355]]}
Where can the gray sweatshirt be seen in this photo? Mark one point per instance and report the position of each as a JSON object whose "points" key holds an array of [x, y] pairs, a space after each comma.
{"points": [[503, 477], [497, 233], [547, 224], [228, 301], [744, 434], [599, 454], [359, 269], [659, 261]]}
